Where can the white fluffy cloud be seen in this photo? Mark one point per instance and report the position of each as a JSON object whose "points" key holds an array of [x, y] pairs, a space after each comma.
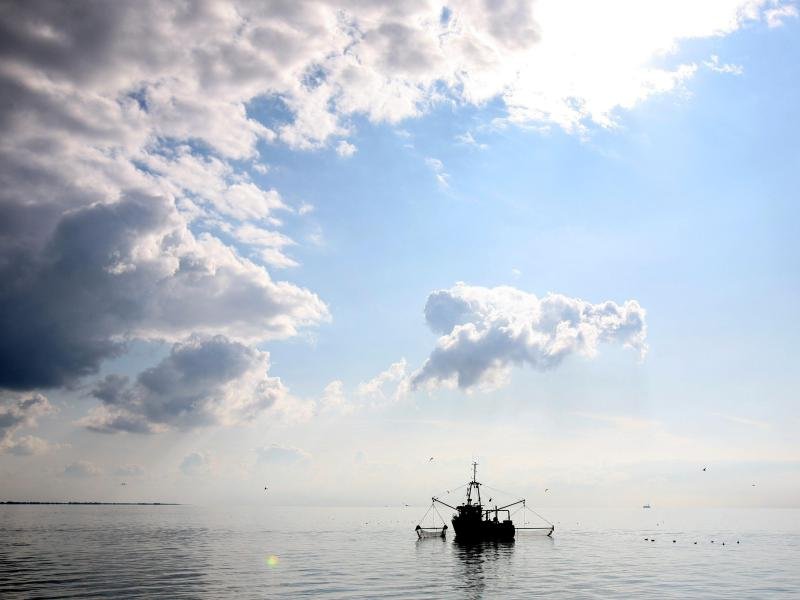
{"points": [[130, 129], [203, 381], [487, 330], [345, 149], [391, 384]]}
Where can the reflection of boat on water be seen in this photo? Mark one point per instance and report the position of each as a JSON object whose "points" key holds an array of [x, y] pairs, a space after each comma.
{"points": [[473, 521]]}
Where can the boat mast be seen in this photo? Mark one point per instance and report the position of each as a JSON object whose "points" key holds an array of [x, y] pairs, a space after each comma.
{"points": [[475, 483]]}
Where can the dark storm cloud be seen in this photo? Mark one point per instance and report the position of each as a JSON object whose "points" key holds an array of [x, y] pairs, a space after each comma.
{"points": [[113, 270]]}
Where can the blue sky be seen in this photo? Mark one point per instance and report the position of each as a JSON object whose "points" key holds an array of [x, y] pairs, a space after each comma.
{"points": [[680, 198]]}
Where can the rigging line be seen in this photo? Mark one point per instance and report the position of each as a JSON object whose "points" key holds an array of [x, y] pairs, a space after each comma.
{"points": [[501, 491], [453, 489], [438, 513], [540, 516], [422, 520]]}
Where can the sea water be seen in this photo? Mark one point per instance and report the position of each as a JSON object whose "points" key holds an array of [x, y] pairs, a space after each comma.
{"points": [[273, 552]]}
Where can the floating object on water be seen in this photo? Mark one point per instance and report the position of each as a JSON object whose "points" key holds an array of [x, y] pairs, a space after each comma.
{"points": [[737, 541], [673, 541], [646, 505], [474, 522], [695, 543], [430, 459]]}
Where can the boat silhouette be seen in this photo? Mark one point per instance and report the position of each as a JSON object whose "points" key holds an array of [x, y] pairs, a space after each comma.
{"points": [[475, 522]]}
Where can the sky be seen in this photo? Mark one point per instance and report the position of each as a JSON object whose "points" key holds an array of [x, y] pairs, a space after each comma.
{"points": [[343, 249]]}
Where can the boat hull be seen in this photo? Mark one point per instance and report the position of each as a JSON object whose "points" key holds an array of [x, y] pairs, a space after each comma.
{"points": [[471, 529]]}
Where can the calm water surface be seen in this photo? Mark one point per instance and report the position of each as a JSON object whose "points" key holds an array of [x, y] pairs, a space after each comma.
{"points": [[195, 552]]}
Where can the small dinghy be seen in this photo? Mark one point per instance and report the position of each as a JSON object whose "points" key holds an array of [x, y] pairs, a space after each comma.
{"points": [[474, 521]]}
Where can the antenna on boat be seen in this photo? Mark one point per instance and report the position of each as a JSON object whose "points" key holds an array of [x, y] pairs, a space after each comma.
{"points": [[474, 483]]}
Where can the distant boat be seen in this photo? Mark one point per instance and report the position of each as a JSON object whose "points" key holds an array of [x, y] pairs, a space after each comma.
{"points": [[646, 506], [474, 522]]}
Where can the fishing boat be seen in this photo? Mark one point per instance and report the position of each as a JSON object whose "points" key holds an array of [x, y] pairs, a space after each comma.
{"points": [[475, 522]]}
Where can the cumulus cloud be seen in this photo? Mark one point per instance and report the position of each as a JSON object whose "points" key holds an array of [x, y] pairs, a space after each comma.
{"points": [[334, 400], [132, 269], [345, 149], [81, 469], [16, 412], [281, 455], [196, 463], [127, 208], [204, 381], [485, 331], [391, 384]]}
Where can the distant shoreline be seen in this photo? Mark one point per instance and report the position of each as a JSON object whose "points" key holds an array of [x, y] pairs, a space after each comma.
{"points": [[94, 503]]}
